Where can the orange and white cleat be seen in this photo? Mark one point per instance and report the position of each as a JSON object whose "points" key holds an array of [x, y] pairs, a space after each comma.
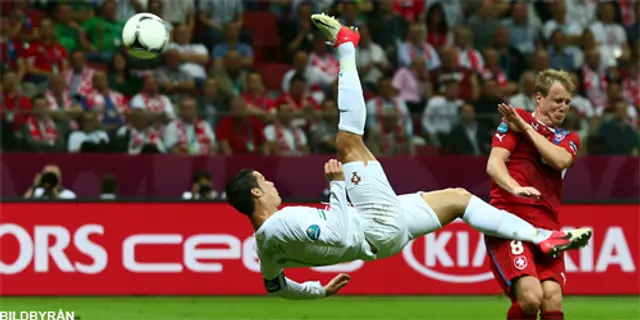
{"points": [[336, 33], [560, 241]]}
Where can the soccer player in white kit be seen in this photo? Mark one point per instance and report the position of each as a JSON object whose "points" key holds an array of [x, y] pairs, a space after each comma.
{"points": [[380, 223]]}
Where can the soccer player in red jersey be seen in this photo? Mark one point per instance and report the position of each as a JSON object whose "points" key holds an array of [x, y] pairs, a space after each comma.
{"points": [[529, 156]]}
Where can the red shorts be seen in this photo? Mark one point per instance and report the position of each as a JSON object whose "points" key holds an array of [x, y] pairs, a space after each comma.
{"points": [[512, 259]]}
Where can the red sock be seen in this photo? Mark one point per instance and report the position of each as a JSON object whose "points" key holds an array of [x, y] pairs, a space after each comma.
{"points": [[552, 315], [516, 313]]}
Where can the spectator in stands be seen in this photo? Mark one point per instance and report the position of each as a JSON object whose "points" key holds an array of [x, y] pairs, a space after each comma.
{"points": [[486, 105], [561, 57], [91, 138], [189, 135], [11, 51], [594, 78], [571, 28], [413, 84], [138, 136], [323, 133], [45, 57], [211, 103], [581, 12], [587, 43], [181, 12], [82, 10], [174, 81], [492, 70], [633, 31], [610, 35], [79, 77], [316, 79], [387, 99], [511, 60], [241, 133], [68, 32], [202, 188], [525, 99], [631, 84], [256, 95], [297, 34], [105, 32], [387, 28], [63, 108], [351, 15], [283, 137], [157, 7], [15, 105], [298, 98], [523, 32], [108, 187], [215, 14], [614, 96], [582, 105], [40, 133], [451, 70], [616, 136], [322, 58], [150, 100], [370, 59], [232, 42], [127, 9], [412, 11], [389, 138], [48, 185], [468, 56], [230, 74], [453, 10], [195, 56], [468, 137], [441, 113], [109, 104], [121, 78], [438, 33], [416, 46], [484, 23], [21, 26]]}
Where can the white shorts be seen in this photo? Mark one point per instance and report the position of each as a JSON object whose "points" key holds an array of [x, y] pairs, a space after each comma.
{"points": [[385, 224], [420, 217]]}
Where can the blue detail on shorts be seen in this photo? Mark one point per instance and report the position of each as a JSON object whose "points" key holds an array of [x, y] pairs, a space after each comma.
{"points": [[495, 262], [313, 232]]}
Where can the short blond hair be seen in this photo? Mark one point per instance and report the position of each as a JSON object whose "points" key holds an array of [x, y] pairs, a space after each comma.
{"points": [[546, 78]]}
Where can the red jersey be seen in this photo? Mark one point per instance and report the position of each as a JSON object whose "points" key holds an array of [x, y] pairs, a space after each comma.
{"points": [[244, 136], [47, 57], [296, 103], [15, 107], [526, 166]]}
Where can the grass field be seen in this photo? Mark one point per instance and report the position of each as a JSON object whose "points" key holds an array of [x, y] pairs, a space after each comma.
{"points": [[336, 308]]}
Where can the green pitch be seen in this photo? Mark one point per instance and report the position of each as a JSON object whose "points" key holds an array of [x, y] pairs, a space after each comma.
{"points": [[335, 308]]}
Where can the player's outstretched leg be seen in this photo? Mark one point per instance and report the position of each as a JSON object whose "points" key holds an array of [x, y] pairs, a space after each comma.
{"points": [[367, 185], [450, 204]]}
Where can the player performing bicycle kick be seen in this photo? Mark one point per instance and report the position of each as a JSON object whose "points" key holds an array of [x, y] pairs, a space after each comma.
{"points": [[380, 223]]}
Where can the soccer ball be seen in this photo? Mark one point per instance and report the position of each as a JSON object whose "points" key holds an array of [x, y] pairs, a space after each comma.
{"points": [[145, 35]]}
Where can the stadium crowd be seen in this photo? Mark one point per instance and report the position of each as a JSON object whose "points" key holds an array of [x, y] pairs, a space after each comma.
{"points": [[255, 76]]}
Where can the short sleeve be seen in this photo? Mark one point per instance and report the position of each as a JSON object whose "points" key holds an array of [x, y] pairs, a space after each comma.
{"points": [[505, 138], [572, 144]]}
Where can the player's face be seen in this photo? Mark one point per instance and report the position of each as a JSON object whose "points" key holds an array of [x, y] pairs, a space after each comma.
{"points": [[556, 104], [269, 191]]}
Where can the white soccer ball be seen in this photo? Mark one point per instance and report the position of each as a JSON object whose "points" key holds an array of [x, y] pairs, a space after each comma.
{"points": [[145, 35]]}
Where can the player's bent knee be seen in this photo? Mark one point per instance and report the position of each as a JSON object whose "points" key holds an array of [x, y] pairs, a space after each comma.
{"points": [[529, 294], [552, 295]]}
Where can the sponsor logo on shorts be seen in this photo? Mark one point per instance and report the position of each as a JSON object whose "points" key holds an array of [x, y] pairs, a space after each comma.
{"points": [[355, 179], [520, 262]]}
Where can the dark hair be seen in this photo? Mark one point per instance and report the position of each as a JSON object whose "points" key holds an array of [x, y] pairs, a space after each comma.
{"points": [[239, 191], [37, 97], [200, 174], [297, 77], [111, 66], [443, 27]]}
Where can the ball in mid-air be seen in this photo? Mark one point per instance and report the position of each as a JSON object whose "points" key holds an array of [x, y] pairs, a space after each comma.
{"points": [[145, 35]]}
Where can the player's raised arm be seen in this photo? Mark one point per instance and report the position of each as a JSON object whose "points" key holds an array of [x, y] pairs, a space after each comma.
{"points": [[283, 287], [556, 156], [338, 204]]}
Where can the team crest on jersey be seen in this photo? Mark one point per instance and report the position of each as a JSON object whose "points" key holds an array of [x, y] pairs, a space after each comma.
{"points": [[313, 232], [520, 262], [355, 179], [559, 136], [503, 127]]}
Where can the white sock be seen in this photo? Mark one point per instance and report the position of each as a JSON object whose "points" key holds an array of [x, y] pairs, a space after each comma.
{"points": [[499, 223], [353, 110]]}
